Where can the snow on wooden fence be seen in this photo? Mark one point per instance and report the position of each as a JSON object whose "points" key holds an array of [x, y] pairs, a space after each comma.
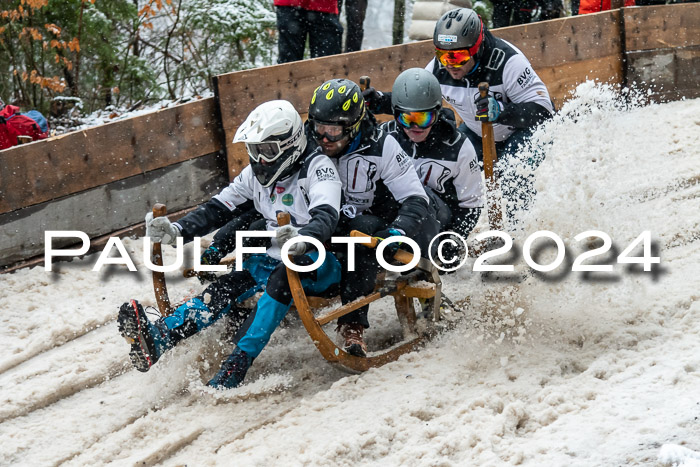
{"points": [[106, 178]]}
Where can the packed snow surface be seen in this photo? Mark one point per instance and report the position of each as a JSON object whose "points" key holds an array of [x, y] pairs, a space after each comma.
{"points": [[558, 368]]}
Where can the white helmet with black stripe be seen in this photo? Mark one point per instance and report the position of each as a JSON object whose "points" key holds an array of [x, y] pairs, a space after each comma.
{"points": [[274, 137]]}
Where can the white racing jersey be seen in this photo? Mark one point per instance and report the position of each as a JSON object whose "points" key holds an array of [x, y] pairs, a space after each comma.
{"points": [[446, 162], [380, 164], [315, 185]]}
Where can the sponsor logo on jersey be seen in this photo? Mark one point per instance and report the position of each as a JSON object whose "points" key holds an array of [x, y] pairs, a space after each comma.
{"points": [[434, 175], [279, 189], [526, 77], [450, 99], [447, 38], [355, 200], [474, 165], [288, 199], [404, 161], [360, 175], [325, 173], [496, 59]]}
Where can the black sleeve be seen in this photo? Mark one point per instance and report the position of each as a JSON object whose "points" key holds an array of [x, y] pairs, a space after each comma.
{"points": [[324, 219], [448, 114], [225, 238], [523, 115], [382, 105], [207, 218], [464, 220], [411, 213]]}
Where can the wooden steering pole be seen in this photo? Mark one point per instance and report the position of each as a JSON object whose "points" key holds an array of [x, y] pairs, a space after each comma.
{"points": [[490, 159], [159, 287]]}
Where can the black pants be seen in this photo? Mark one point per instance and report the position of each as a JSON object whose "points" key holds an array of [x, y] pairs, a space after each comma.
{"points": [[361, 282], [324, 31], [510, 12], [355, 12]]}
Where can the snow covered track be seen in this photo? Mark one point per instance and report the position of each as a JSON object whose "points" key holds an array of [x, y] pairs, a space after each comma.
{"points": [[542, 372]]}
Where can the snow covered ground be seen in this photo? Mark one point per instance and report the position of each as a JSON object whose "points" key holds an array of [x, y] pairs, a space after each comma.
{"points": [[554, 369]]}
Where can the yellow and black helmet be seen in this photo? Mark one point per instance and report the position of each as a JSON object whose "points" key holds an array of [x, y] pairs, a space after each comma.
{"points": [[338, 102]]}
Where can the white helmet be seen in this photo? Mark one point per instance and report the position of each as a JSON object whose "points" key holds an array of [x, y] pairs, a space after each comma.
{"points": [[274, 136]]}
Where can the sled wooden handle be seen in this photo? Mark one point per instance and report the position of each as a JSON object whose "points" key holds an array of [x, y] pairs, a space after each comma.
{"points": [[159, 287], [364, 83], [401, 256], [488, 144], [283, 218]]}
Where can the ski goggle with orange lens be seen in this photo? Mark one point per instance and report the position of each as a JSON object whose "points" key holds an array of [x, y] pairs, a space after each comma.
{"points": [[453, 58], [422, 120]]}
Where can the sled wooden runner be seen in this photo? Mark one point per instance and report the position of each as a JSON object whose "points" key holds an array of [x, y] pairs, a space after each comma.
{"points": [[400, 289]]}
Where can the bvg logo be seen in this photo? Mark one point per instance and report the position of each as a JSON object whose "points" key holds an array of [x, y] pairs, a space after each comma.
{"points": [[525, 77], [325, 173]]}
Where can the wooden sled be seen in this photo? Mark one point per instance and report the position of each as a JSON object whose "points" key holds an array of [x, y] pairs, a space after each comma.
{"points": [[404, 289], [421, 283]]}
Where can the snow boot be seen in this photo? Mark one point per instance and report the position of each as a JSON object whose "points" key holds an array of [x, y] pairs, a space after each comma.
{"points": [[352, 337], [232, 371], [148, 340]]}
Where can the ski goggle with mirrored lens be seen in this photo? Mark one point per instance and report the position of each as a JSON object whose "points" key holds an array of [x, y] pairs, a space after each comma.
{"points": [[269, 151], [422, 120], [453, 58], [332, 133]]}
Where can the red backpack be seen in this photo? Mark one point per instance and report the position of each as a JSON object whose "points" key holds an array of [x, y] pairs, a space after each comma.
{"points": [[14, 124]]}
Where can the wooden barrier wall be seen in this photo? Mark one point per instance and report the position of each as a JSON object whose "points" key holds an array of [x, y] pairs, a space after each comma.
{"points": [[105, 178], [662, 47]]}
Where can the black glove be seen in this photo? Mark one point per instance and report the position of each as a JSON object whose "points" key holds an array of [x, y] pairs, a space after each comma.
{"points": [[391, 249], [373, 99], [211, 256], [453, 254], [487, 108]]}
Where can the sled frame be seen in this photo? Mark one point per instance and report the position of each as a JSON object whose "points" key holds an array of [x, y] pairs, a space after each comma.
{"points": [[403, 289]]}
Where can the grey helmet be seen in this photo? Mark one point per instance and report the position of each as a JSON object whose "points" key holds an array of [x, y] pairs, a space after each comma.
{"points": [[460, 28], [416, 89]]}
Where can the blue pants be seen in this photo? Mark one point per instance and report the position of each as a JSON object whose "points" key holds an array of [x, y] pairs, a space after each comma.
{"points": [[275, 302]]}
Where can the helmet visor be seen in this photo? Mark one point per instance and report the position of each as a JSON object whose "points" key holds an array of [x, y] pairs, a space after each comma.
{"points": [[422, 120], [454, 58], [332, 133]]}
